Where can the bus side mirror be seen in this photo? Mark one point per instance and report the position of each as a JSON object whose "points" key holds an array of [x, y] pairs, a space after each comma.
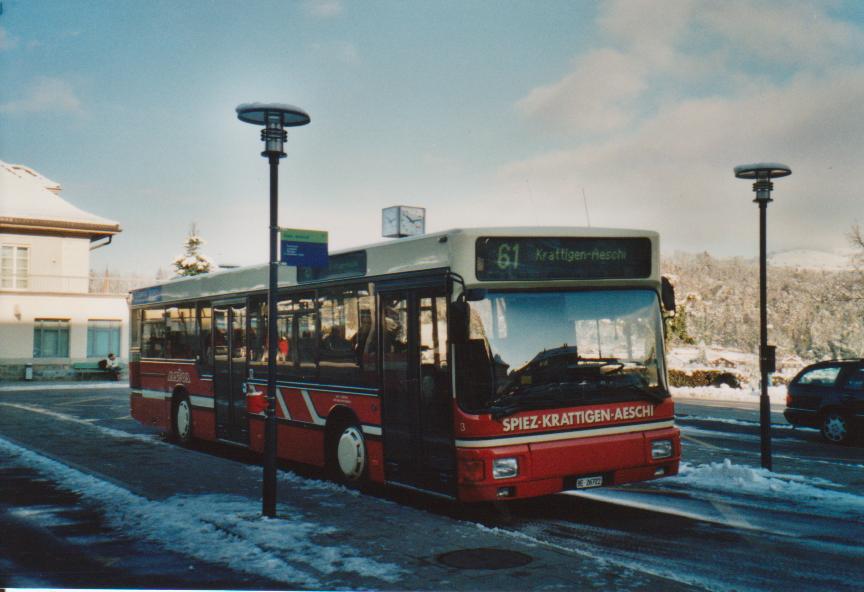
{"points": [[667, 294]]}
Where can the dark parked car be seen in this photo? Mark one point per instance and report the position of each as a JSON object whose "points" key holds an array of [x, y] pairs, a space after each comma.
{"points": [[828, 396]]}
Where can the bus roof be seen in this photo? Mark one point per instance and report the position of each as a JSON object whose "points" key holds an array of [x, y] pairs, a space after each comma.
{"points": [[450, 249]]}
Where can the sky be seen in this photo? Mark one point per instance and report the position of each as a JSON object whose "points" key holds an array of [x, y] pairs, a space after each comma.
{"points": [[626, 113]]}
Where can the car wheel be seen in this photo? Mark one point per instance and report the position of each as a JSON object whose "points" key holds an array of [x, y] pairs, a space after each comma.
{"points": [[835, 427], [183, 421], [347, 456]]}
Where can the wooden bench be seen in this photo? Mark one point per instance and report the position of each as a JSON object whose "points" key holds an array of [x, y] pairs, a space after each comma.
{"points": [[88, 369]]}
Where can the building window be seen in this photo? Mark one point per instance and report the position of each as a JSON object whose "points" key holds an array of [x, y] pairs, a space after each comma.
{"points": [[103, 338], [14, 267], [51, 338]]}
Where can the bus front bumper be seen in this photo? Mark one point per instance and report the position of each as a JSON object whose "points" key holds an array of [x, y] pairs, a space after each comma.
{"points": [[546, 468]]}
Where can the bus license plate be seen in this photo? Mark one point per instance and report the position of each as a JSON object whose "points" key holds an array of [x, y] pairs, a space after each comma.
{"points": [[586, 482]]}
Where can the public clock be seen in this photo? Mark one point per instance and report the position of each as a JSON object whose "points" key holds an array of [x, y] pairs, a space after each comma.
{"points": [[401, 221]]}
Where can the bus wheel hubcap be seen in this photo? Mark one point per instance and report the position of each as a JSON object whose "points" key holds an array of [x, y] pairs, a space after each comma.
{"points": [[183, 417], [351, 453]]}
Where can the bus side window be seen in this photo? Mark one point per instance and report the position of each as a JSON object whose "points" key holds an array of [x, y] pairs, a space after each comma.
{"points": [[180, 337], [342, 335], [307, 336], [135, 330], [286, 345], [153, 333], [256, 336], [367, 338], [205, 331]]}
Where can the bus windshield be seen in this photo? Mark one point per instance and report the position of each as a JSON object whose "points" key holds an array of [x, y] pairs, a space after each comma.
{"points": [[531, 350]]}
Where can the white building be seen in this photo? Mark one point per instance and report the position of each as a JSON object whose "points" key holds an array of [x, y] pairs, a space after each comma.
{"points": [[49, 315]]}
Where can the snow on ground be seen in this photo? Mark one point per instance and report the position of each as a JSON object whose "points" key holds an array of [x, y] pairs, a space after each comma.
{"points": [[218, 528], [777, 394], [811, 493], [744, 365]]}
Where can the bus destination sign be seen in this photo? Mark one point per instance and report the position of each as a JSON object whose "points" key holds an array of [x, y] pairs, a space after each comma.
{"points": [[562, 258]]}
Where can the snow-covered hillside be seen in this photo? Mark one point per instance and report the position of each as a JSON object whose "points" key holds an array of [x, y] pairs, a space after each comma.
{"points": [[814, 311], [836, 260]]}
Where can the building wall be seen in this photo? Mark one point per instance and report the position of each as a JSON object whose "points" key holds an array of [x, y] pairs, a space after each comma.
{"points": [[18, 311], [57, 264]]}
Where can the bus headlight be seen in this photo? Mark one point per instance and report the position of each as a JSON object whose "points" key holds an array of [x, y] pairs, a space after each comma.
{"points": [[661, 449], [504, 468]]}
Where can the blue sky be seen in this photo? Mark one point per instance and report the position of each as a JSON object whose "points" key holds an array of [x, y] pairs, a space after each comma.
{"points": [[485, 113]]}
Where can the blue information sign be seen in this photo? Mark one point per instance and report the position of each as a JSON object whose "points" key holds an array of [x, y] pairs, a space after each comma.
{"points": [[147, 295], [306, 248]]}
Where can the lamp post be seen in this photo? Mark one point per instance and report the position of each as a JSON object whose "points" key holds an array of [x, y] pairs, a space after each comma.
{"points": [[275, 118], [762, 173]]}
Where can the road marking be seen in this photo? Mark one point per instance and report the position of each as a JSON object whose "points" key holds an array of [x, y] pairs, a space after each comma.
{"points": [[701, 442], [733, 519], [88, 422], [84, 401]]}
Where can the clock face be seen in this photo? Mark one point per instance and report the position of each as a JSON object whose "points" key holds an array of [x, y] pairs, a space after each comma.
{"points": [[390, 222], [412, 221], [399, 221]]}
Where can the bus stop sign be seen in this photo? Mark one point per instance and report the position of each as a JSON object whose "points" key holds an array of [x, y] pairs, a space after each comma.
{"points": [[306, 248]]}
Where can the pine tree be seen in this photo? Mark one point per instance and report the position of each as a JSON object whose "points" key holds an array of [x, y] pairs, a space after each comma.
{"points": [[193, 262]]}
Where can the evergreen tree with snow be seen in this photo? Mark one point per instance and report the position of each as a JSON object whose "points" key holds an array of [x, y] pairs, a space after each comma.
{"points": [[193, 262]]}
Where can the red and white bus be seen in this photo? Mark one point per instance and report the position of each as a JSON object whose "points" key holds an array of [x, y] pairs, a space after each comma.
{"points": [[478, 364]]}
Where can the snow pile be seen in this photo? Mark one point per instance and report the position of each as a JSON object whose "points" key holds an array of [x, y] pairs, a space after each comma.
{"points": [[777, 394], [810, 492], [218, 528]]}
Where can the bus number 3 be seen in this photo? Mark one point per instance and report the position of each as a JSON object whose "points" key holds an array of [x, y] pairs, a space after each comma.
{"points": [[508, 256]]}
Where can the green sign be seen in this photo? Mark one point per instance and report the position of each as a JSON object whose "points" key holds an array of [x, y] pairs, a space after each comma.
{"points": [[295, 235]]}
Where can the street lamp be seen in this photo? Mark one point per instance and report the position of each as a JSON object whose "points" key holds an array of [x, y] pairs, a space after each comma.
{"points": [[275, 118], [762, 173]]}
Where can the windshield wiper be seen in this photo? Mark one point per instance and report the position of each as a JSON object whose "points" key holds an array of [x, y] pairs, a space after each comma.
{"points": [[525, 397], [657, 395]]}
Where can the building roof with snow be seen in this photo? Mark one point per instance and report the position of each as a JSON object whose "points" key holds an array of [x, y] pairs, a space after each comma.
{"points": [[30, 203]]}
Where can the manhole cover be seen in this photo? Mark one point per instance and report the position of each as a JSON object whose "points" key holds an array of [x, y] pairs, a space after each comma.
{"points": [[484, 559]]}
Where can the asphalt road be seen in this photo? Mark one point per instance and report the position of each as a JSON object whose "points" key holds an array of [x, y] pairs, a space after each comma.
{"points": [[665, 534]]}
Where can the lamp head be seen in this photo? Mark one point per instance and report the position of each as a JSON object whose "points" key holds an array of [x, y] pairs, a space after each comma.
{"points": [[762, 170], [274, 117]]}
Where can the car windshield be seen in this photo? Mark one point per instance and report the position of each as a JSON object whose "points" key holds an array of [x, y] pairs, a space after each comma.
{"points": [[548, 349]]}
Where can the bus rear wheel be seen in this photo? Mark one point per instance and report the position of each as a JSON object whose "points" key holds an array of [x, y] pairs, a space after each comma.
{"points": [[347, 455], [183, 421]]}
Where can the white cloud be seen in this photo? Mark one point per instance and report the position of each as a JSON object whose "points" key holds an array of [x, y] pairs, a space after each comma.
{"points": [[782, 32], [665, 162], [646, 25], [46, 94], [323, 8], [674, 172], [7, 41], [594, 97], [671, 49]]}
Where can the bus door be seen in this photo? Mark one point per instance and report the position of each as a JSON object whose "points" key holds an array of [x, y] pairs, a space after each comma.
{"points": [[229, 371], [417, 404]]}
